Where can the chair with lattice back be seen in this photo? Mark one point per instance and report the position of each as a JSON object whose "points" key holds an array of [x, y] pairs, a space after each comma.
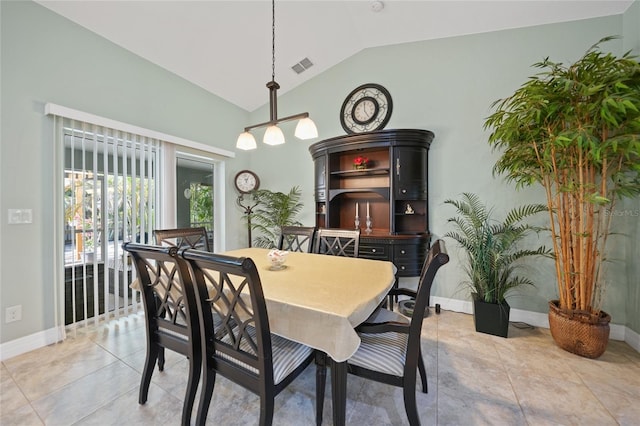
{"points": [[195, 237], [172, 322], [183, 238], [240, 348], [297, 238], [390, 350], [337, 242]]}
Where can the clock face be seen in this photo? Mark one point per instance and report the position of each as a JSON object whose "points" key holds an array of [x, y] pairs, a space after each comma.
{"points": [[366, 108], [246, 181]]}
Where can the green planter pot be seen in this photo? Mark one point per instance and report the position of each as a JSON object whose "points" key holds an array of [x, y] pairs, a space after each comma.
{"points": [[491, 318]]}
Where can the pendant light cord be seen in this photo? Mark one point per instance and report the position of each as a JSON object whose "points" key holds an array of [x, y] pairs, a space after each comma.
{"points": [[273, 40]]}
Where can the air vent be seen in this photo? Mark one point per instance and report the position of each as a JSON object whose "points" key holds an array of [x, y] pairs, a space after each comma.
{"points": [[302, 66]]}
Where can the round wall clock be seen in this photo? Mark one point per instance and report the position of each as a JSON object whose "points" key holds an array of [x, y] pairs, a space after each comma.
{"points": [[246, 181], [366, 108]]}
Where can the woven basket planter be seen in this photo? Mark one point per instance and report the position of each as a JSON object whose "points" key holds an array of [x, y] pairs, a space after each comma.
{"points": [[579, 333]]}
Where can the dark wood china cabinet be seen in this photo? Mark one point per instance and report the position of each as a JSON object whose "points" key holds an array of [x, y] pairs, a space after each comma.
{"points": [[392, 186]]}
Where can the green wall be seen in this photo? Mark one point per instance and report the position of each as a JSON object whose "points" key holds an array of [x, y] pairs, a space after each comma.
{"points": [[446, 86], [46, 58]]}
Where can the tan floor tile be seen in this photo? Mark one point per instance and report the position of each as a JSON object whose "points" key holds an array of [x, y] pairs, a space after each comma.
{"points": [[81, 397], [545, 400], [382, 404], [45, 370], [161, 408], [11, 397], [23, 416], [474, 379], [458, 410]]}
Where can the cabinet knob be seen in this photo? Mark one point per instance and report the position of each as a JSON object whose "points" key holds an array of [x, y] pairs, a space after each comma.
{"points": [[404, 191], [402, 251], [373, 250], [402, 267]]}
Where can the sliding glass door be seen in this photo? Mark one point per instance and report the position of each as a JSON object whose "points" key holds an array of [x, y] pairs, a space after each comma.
{"points": [[195, 193], [110, 196]]}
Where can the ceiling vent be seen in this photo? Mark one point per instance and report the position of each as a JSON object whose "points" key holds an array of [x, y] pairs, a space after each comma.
{"points": [[302, 66]]}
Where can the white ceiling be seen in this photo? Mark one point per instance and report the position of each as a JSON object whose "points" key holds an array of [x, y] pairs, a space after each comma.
{"points": [[225, 46]]}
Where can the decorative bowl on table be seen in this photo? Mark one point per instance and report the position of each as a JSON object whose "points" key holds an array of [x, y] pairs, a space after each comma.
{"points": [[277, 258]]}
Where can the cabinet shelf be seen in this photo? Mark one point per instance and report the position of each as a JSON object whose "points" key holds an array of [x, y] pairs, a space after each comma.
{"points": [[360, 173], [394, 183], [382, 191]]}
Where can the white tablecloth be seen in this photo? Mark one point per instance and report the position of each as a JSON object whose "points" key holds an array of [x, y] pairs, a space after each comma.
{"points": [[318, 299]]}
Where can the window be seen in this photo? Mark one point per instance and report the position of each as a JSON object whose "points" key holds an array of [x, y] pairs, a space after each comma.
{"points": [[114, 182], [110, 194]]}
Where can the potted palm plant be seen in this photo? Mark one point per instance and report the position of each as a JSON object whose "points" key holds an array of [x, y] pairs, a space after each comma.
{"points": [[273, 211], [575, 129], [493, 257]]}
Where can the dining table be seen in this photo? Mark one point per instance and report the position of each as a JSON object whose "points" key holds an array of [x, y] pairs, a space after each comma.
{"points": [[318, 300]]}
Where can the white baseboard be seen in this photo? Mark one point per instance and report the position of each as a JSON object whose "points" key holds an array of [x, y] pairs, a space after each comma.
{"points": [[632, 338], [29, 343], [537, 319]]}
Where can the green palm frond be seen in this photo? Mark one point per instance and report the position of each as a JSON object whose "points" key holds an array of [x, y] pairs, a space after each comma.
{"points": [[492, 247], [273, 211]]}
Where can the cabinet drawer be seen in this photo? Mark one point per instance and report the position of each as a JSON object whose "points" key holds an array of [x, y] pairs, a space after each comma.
{"points": [[409, 252], [374, 251], [407, 268]]}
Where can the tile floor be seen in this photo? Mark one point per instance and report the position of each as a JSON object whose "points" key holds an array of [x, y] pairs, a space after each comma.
{"points": [[474, 379]]}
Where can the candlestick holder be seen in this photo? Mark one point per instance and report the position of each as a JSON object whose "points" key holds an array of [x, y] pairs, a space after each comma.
{"points": [[368, 223], [357, 222]]}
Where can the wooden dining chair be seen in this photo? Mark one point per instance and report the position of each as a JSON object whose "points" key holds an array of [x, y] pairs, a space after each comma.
{"points": [[171, 321], [241, 348], [297, 238], [337, 242], [180, 238], [390, 350], [183, 237]]}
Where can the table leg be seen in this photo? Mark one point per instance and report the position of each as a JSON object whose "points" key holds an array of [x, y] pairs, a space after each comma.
{"points": [[321, 381], [339, 392]]}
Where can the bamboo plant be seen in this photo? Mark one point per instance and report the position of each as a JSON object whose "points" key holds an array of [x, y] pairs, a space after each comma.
{"points": [[575, 130]]}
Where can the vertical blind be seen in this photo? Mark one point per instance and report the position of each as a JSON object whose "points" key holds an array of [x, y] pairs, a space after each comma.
{"points": [[111, 191]]}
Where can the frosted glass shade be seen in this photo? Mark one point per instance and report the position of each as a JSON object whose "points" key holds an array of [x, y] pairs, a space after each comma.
{"points": [[273, 136], [246, 141], [306, 129]]}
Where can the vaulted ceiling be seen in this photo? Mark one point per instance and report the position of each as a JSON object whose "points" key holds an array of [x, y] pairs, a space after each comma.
{"points": [[225, 46]]}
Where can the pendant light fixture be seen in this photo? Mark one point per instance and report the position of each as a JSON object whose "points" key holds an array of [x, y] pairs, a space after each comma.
{"points": [[306, 128]]}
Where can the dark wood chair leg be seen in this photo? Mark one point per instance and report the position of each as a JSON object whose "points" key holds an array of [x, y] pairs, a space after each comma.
{"points": [[423, 373], [339, 392], [208, 383], [409, 391], [147, 372], [266, 410], [195, 368], [160, 358], [321, 383]]}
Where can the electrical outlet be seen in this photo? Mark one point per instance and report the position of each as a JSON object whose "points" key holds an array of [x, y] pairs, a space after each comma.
{"points": [[13, 313]]}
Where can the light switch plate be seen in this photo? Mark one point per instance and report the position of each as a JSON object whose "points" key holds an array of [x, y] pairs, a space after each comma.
{"points": [[20, 216]]}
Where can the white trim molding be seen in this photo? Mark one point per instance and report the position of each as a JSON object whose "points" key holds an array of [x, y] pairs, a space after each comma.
{"points": [[537, 319], [30, 343], [62, 111]]}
